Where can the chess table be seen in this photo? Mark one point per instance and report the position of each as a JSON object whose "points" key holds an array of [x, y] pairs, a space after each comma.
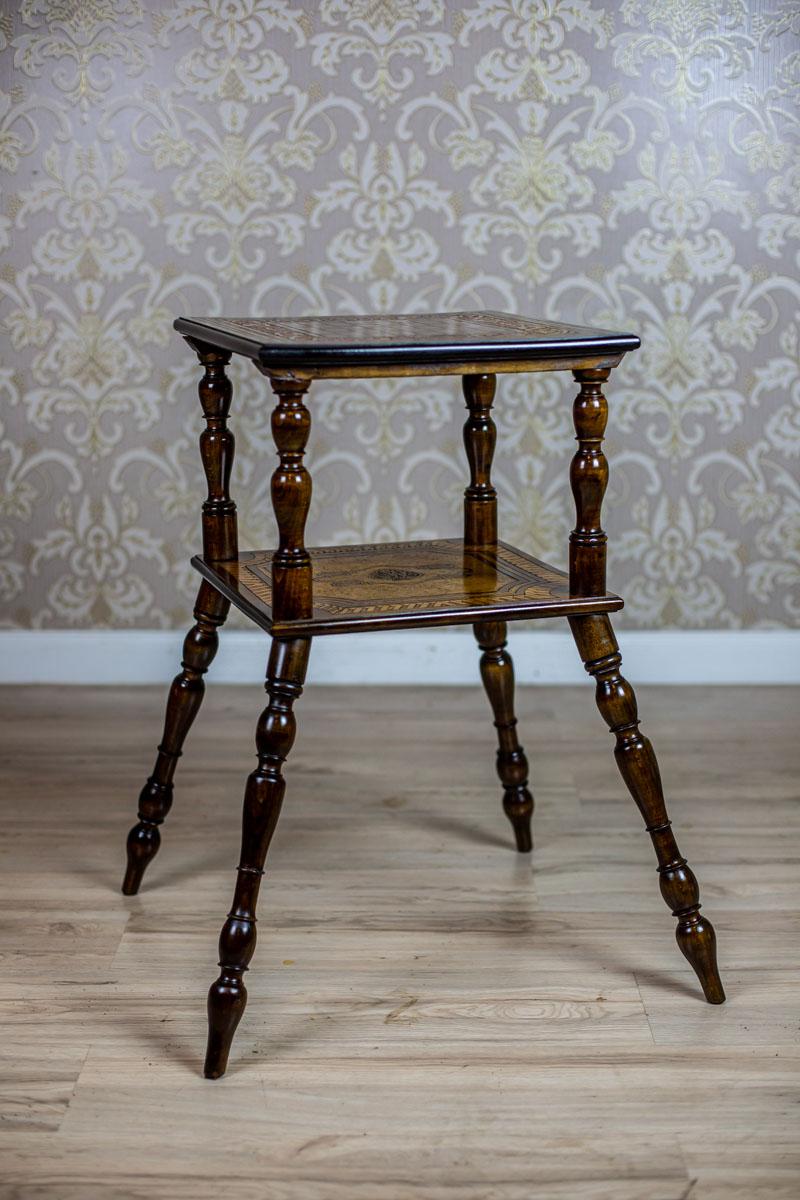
{"points": [[296, 593]]}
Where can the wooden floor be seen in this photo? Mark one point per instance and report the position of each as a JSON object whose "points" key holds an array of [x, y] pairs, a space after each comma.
{"points": [[431, 1015]]}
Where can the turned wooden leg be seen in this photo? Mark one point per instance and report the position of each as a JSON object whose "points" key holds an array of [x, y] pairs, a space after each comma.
{"points": [[185, 698], [262, 804], [497, 673], [637, 764]]}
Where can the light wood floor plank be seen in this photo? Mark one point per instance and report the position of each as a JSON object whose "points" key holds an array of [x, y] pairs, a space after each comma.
{"points": [[430, 1015]]}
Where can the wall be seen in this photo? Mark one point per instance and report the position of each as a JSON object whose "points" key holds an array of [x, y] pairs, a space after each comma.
{"points": [[630, 165]]}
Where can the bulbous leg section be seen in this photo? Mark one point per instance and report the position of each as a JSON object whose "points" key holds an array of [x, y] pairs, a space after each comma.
{"points": [[638, 766], [263, 798], [695, 935], [227, 996], [497, 673], [183, 703], [155, 801]]}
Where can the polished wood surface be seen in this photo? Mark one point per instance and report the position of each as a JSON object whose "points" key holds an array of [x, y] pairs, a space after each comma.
{"points": [[290, 489], [497, 673], [263, 797], [183, 703], [430, 1015], [217, 447], [497, 668], [392, 585], [398, 344], [480, 437], [637, 763], [588, 477]]}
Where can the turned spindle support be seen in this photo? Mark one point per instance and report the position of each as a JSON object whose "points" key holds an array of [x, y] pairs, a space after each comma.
{"points": [[616, 700], [184, 700], [497, 668], [497, 673], [290, 489], [637, 764], [211, 609], [480, 436], [588, 478], [263, 797], [217, 447]]}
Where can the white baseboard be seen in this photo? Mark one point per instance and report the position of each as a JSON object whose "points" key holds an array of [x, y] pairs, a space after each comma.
{"points": [[446, 656]]}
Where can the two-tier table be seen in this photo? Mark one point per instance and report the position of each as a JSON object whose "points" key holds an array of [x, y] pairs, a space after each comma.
{"points": [[295, 593]]}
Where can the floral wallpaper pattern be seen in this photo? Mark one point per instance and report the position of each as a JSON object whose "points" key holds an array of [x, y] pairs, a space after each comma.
{"points": [[632, 165]]}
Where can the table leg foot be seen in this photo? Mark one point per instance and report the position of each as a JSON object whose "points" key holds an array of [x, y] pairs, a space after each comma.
{"points": [[497, 673]]}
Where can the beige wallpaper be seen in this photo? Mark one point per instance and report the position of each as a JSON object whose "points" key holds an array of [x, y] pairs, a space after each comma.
{"points": [[631, 165]]}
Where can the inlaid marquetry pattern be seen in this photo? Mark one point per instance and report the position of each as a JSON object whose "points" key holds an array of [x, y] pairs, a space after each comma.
{"points": [[462, 328], [390, 580], [346, 582]]}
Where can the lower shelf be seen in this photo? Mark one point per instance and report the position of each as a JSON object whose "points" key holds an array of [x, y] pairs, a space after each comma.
{"points": [[394, 585]]}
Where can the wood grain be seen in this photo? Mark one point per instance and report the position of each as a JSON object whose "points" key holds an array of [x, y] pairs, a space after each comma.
{"points": [[404, 585], [432, 1017]]}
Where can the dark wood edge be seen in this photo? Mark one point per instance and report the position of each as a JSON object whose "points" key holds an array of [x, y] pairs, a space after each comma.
{"points": [[564, 608], [573, 606], [388, 370], [333, 356], [307, 358]]}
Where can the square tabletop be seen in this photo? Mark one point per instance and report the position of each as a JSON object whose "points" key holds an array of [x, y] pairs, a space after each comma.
{"points": [[401, 344]]}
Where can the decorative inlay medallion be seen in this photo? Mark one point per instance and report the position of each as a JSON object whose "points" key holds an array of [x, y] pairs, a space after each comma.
{"points": [[394, 574]]}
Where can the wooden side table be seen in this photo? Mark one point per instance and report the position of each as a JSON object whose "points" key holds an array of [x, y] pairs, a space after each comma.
{"points": [[296, 594]]}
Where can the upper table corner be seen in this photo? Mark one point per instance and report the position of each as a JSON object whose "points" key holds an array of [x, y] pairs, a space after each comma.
{"points": [[420, 343]]}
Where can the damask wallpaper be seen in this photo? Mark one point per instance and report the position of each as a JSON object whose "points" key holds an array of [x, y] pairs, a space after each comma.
{"points": [[631, 165]]}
